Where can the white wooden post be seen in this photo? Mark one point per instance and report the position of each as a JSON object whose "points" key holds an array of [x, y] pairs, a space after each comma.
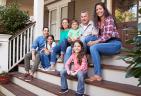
{"points": [[2, 2], [4, 40], [38, 17]]}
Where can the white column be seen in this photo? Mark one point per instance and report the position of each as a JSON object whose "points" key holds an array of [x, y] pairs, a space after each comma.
{"points": [[38, 17], [109, 5], [4, 40], [2, 2], [139, 19]]}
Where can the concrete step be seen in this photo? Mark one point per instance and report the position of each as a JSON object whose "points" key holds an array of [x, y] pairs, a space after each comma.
{"points": [[12, 89]]}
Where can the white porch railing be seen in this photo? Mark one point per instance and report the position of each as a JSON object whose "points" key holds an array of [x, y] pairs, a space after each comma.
{"points": [[19, 45]]}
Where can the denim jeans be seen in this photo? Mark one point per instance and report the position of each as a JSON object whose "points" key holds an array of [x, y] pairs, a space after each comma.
{"points": [[86, 39], [64, 44], [81, 77], [109, 48], [45, 60], [60, 48], [55, 51], [67, 54]]}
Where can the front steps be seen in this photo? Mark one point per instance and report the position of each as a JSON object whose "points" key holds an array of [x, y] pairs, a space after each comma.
{"points": [[114, 83], [92, 89]]}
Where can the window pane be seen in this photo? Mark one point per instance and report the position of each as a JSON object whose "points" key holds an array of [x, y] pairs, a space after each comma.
{"points": [[53, 29], [53, 17], [126, 10], [64, 12]]}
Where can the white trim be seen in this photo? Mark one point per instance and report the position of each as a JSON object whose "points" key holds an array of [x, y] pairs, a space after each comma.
{"points": [[2, 2]]}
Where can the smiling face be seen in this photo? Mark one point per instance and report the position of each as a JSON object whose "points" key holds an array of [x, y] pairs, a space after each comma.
{"points": [[45, 32], [99, 11], [84, 18], [65, 24], [49, 40], [74, 25], [77, 47]]}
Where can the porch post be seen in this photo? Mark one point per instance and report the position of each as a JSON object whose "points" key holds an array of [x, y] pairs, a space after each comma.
{"points": [[2, 2], [139, 18], [38, 17], [4, 45], [109, 5]]}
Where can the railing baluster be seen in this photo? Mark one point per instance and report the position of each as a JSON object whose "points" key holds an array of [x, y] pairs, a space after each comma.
{"points": [[24, 44], [17, 51], [13, 46], [27, 41], [21, 49]]}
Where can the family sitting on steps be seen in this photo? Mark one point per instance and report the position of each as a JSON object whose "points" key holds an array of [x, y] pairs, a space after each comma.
{"points": [[88, 37]]}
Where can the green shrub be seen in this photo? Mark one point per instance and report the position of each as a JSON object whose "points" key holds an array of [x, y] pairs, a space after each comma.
{"points": [[13, 18]]}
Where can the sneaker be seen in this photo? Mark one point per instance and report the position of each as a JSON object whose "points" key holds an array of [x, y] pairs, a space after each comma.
{"points": [[78, 94], [47, 69], [29, 78], [63, 91], [25, 75], [60, 60], [52, 68]]}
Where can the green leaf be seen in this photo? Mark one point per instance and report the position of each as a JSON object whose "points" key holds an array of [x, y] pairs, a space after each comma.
{"points": [[133, 72]]}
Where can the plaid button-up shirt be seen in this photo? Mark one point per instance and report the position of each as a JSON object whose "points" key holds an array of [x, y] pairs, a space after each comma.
{"points": [[108, 30]]}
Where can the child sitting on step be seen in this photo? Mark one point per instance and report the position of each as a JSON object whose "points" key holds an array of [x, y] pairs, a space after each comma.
{"points": [[78, 69], [45, 53]]}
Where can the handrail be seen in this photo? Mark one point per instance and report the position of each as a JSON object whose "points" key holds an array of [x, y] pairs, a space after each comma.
{"points": [[21, 31]]}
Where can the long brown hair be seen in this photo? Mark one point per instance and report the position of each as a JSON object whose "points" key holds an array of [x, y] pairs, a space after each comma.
{"points": [[106, 14], [81, 54]]}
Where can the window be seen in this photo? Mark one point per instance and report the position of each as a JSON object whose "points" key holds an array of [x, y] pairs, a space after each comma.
{"points": [[53, 22], [64, 12], [57, 11]]}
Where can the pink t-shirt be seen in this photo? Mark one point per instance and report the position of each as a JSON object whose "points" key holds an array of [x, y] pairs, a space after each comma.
{"points": [[76, 67]]}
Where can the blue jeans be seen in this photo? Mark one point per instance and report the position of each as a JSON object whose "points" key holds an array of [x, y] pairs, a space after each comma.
{"points": [[67, 54], [86, 39], [64, 44], [60, 48], [81, 77], [55, 51], [110, 48], [45, 60]]}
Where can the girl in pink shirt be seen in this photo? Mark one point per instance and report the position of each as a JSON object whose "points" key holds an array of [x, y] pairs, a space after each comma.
{"points": [[76, 65]]}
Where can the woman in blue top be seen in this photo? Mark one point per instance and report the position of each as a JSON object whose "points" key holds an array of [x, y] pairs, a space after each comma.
{"points": [[59, 49]]}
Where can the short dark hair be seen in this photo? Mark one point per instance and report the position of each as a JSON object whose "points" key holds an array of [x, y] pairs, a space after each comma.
{"points": [[74, 20], [45, 27]]}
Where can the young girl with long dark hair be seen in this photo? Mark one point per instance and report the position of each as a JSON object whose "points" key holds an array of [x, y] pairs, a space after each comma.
{"points": [[79, 68]]}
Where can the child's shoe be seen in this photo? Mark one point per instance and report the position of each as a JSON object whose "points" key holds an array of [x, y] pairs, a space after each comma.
{"points": [[63, 91]]}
